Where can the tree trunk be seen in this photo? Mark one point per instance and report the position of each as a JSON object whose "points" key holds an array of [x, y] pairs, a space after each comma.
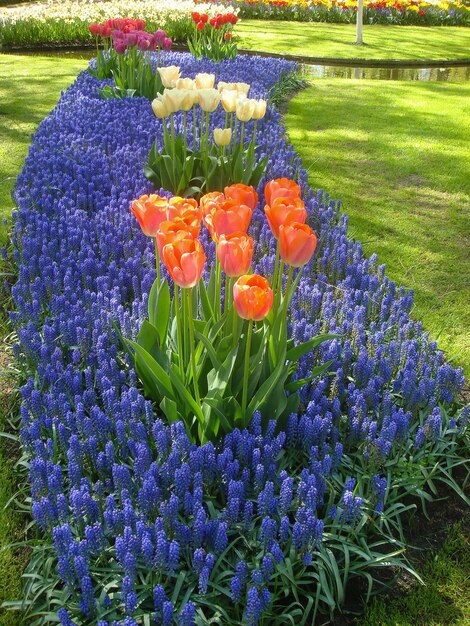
{"points": [[359, 19]]}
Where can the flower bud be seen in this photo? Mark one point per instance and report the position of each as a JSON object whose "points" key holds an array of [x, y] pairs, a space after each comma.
{"points": [[244, 110], [253, 297], [169, 75], [185, 83], [229, 100], [204, 81], [209, 99], [297, 243], [159, 108], [222, 136], [259, 109]]}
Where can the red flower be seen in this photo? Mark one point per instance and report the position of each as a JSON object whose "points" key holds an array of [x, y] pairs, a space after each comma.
{"points": [[196, 17], [421, 12], [227, 36], [200, 25], [95, 29], [204, 18]]}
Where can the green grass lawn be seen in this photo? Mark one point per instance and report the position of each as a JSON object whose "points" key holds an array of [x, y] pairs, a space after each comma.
{"points": [[398, 155], [336, 40], [29, 89]]}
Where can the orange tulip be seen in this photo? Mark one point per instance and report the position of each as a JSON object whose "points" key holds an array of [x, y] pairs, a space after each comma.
{"points": [[180, 228], [228, 217], [177, 207], [297, 243], [281, 188], [184, 259], [208, 202], [284, 211], [253, 297], [235, 253], [150, 211], [243, 194]]}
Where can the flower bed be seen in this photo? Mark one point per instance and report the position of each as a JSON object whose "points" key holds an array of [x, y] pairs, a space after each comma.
{"points": [[417, 12], [66, 22], [139, 523]]}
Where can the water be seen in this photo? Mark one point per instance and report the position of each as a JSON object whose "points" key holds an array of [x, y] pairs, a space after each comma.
{"points": [[424, 74]]}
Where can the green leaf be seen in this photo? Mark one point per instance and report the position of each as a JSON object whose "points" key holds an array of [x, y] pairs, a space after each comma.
{"points": [[294, 354], [154, 373], [170, 408], [187, 398], [161, 310]]}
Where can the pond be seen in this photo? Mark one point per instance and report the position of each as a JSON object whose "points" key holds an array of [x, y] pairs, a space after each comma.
{"points": [[450, 73]]}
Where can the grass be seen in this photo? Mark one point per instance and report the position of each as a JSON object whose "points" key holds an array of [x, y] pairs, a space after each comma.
{"points": [[445, 597], [336, 40], [29, 89], [348, 131], [398, 155]]}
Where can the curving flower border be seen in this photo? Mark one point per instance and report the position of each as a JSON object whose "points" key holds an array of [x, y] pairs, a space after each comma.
{"points": [[110, 482]]}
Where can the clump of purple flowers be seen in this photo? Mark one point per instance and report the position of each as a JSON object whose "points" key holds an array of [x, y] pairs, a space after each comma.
{"points": [[132, 508]]}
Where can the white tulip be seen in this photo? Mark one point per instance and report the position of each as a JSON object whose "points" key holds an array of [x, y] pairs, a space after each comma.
{"points": [[222, 136], [204, 81], [259, 110], [209, 99], [245, 109], [169, 75]]}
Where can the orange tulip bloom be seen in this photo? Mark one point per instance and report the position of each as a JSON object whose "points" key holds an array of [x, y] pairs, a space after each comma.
{"points": [[150, 211], [184, 259], [253, 297], [281, 188], [284, 211], [243, 194], [235, 253], [228, 217], [180, 228], [210, 200], [297, 243], [177, 207]]}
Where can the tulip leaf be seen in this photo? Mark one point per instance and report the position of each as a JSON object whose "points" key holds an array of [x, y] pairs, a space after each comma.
{"points": [[170, 408], [159, 308], [294, 354], [317, 371], [205, 302], [154, 374], [189, 401]]}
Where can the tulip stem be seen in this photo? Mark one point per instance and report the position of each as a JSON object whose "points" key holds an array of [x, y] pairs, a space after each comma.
{"points": [[246, 370], [218, 279], [157, 262], [276, 267], [191, 345], [227, 289], [179, 331], [185, 132], [286, 297], [194, 129], [242, 135]]}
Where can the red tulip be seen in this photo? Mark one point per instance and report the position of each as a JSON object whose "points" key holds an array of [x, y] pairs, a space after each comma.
{"points": [[297, 243], [150, 211], [235, 253], [281, 188], [243, 194], [210, 200], [184, 260], [228, 217], [253, 297], [177, 207], [179, 228], [284, 211]]}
